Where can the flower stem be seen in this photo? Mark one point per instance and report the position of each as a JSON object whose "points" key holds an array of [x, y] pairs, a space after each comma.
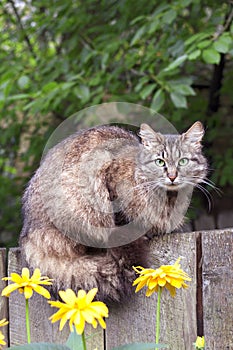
{"points": [[84, 341], [158, 316], [28, 322]]}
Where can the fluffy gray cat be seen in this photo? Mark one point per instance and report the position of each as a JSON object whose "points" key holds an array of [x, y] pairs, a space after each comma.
{"points": [[97, 197]]}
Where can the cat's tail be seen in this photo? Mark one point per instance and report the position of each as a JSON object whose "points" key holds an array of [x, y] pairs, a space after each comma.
{"points": [[78, 267]]}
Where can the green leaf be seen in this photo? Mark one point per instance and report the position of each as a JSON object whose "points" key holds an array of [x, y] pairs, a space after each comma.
{"points": [[169, 16], [74, 342], [185, 3], [142, 81], [153, 25], [196, 37], [223, 43], [139, 33], [178, 100], [17, 97], [147, 90], [137, 19], [183, 89], [67, 85], [82, 92], [158, 100], [194, 55], [141, 346], [203, 44], [40, 346], [23, 82], [211, 56], [49, 87], [175, 63]]}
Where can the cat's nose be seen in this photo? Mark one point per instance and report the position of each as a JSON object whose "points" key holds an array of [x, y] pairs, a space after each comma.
{"points": [[172, 176]]}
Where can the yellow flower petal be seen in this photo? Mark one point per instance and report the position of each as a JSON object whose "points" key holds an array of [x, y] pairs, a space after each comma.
{"points": [[58, 304], [25, 274], [94, 323], [140, 286], [200, 342], [79, 309], [28, 291], [62, 324], [81, 294], [102, 323], [41, 290], [171, 289], [9, 289], [100, 308], [161, 282], [90, 295], [3, 322], [15, 277], [36, 274], [80, 325], [68, 296], [88, 316], [166, 276], [57, 316], [2, 342], [27, 285]]}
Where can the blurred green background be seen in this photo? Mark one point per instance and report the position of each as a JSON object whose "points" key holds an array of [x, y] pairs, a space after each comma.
{"points": [[59, 57]]}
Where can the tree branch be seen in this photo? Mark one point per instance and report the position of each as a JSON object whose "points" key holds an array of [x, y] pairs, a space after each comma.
{"points": [[30, 47], [216, 83], [227, 24]]}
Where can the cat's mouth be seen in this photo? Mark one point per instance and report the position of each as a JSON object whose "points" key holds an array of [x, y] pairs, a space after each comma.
{"points": [[173, 186]]}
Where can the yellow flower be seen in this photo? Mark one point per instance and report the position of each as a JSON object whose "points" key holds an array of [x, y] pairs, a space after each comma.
{"points": [[3, 322], [79, 309], [166, 276], [2, 342], [200, 343], [26, 284]]}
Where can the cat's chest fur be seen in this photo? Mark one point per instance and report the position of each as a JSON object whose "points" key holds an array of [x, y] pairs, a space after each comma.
{"points": [[157, 210]]}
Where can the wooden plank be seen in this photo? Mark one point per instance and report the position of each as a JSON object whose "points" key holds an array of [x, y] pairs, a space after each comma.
{"points": [[40, 311], [134, 321], [218, 289], [3, 300]]}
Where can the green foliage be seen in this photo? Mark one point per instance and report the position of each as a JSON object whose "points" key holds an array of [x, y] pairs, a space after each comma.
{"points": [[141, 346], [59, 58], [40, 346]]}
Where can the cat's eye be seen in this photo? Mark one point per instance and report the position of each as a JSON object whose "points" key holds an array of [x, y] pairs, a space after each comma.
{"points": [[183, 161], [160, 162]]}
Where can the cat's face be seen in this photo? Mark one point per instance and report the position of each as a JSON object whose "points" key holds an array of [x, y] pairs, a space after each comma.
{"points": [[172, 161]]}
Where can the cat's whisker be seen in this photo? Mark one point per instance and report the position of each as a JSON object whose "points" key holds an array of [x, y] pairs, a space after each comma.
{"points": [[204, 191], [209, 183]]}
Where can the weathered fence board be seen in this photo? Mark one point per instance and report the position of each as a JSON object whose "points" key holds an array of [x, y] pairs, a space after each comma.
{"points": [[135, 321], [218, 288], [179, 313], [40, 311], [206, 256], [3, 301]]}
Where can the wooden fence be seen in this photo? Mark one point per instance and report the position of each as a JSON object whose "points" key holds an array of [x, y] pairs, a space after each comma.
{"points": [[206, 307]]}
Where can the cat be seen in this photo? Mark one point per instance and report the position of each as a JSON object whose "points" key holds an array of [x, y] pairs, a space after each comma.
{"points": [[99, 196]]}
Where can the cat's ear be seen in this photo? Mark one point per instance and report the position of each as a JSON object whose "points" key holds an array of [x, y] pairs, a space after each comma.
{"points": [[149, 137], [194, 134]]}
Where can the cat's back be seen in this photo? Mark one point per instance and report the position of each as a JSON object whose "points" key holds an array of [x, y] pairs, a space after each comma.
{"points": [[73, 172], [74, 147]]}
